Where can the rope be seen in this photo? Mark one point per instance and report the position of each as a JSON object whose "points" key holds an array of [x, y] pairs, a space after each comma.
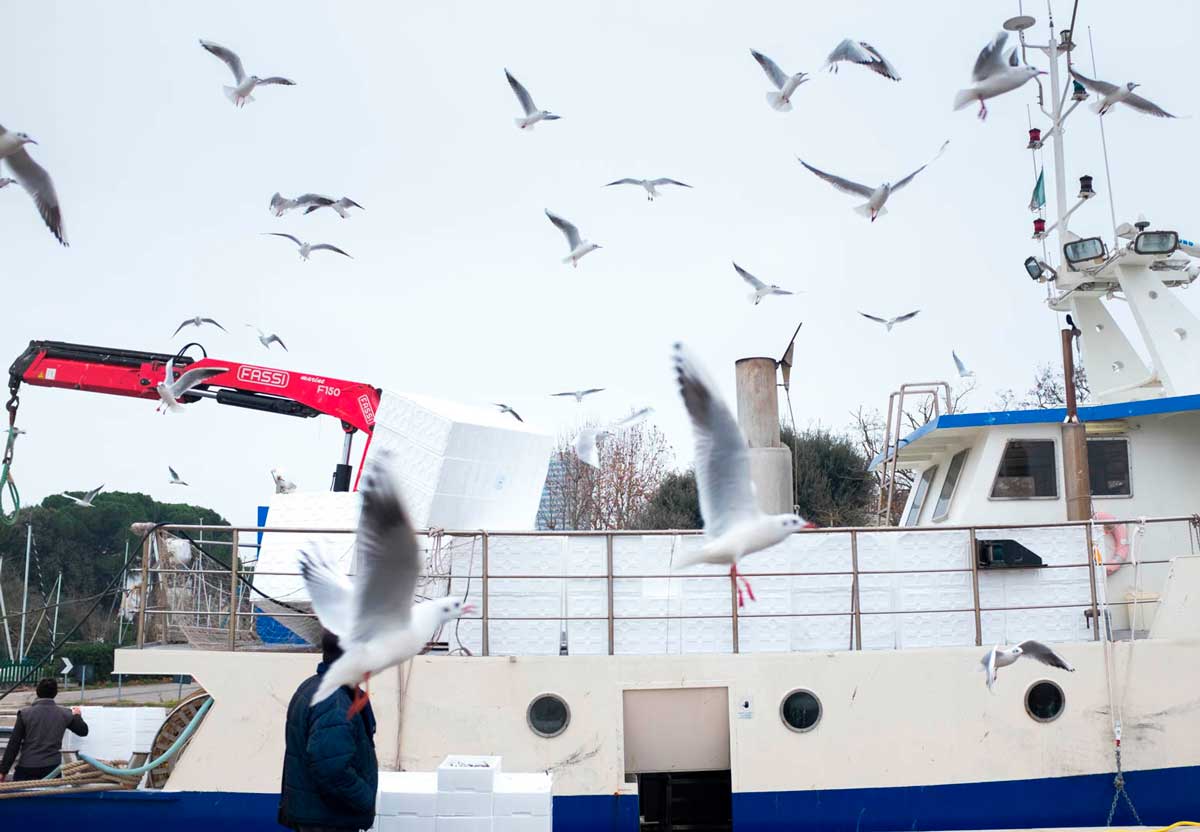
{"points": [[162, 758], [6, 479]]}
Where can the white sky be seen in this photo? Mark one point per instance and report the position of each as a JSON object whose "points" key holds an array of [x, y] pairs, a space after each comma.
{"points": [[456, 289]]}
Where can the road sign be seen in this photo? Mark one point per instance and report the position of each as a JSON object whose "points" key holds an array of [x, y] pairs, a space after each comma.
{"points": [[67, 666]]}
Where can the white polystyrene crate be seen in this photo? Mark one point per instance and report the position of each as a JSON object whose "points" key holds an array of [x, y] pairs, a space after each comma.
{"points": [[467, 773], [522, 823], [110, 733], [464, 804], [522, 794], [463, 825], [407, 793], [405, 823], [146, 722]]}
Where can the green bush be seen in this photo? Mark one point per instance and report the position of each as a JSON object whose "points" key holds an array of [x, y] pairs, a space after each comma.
{"points": [[99, 654]]}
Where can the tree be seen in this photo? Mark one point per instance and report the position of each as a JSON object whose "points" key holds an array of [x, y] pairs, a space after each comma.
{"points": [[633, 462], [1048, 390], [832, 486], [675, 505]]}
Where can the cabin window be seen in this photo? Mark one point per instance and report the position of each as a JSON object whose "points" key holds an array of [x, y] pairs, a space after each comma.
{"points": [[800, 710], [942, 507], [548, 715], [1044, 701], [1027, 471], [1108, 467], [914, 511]]}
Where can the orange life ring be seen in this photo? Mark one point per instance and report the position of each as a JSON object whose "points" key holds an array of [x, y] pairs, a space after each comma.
{"points": [[1119, 533]]}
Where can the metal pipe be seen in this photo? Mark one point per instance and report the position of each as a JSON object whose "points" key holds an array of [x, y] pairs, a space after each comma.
{"points": [[233, 596], [608, 554], [144, 591], [483, 604], [973, 554], [1092, 583], [1074, 434], [57, 604], [4, 615], [25, 592], [855, 592], [733, 602]]}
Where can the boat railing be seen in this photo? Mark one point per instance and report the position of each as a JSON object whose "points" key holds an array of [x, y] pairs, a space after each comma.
{"points": [[933, 398], [202, 610]]}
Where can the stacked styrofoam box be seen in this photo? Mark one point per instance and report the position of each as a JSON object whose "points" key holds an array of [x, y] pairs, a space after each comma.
{"points": [[407, 802], [465, 786], [116, 733], [522, 803]]}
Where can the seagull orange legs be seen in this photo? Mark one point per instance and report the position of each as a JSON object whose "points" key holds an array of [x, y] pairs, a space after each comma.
{"points": [[360, 697], [735, 575]]}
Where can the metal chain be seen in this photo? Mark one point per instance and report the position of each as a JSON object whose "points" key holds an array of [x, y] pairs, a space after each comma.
{"points": [[1119, 792]]}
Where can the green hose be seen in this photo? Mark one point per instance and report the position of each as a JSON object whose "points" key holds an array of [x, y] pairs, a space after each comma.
{"points": [[5, 480], [166, 755], [53, 773]]}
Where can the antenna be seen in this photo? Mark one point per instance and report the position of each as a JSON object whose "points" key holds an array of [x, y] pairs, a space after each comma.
{"points": [[1112, 208]]}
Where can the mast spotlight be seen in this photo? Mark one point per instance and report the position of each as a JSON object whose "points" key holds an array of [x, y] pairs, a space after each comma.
{"points": [[1038, 270], [1085, 187], [1035, 139], [1064, 41], [1039, 228], [1156, 242], [1080, 251]]}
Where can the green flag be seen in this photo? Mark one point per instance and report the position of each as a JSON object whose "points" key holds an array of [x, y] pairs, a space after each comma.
{"points": [[1039, 192]]}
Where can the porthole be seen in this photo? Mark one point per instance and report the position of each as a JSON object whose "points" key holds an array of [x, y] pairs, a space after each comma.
{"points": [[1044, 701], [800, 710], [548, 715]]}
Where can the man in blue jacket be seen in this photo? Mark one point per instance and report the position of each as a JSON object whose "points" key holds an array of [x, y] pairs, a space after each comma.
{"points": [[330, 773]]}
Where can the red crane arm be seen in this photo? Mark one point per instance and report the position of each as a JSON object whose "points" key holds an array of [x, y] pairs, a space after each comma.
{"points": [[133, 373]]}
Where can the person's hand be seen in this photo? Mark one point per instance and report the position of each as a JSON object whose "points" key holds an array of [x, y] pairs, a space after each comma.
{"points": [[76, 710]]}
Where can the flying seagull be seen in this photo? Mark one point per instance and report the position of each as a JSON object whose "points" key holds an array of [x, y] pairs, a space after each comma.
{"points": [[651, 185], [585, 441], [33, 179], [876, 197], [86, 499], [891, 322], [864, 54], [761, 290], [268, 338], [963, 372], [579, 394], [341, 206], [175, 480], [170, 390], [375, 617], [282, 484], [306, 248], [197, 322], [506, 409], [240, 93], [995, 73], [532, 114], [734, 525], [999, 657], [779, 98], [280, 204], [579, 247], [1112, 95]]}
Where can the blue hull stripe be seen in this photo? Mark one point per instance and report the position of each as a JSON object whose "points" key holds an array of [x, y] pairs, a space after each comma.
{"points": [[1161, 796]]}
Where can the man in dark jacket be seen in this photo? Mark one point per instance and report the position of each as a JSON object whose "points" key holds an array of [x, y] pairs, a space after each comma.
{"points": [[330, 772], [38, 735]]}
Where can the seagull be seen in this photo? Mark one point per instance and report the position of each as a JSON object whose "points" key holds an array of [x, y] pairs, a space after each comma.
{"points": [[781, 97], [584, 442], [33, 179], [282, 484], [651, 185], [306, 248], [532, 114], [1112, 95], [5, 182], [175, 480], [761, 290], [506, 409], [240, 94], [734, 526], [579, 394], [579, 246], [197, 322], [170, 390], [994, 75], [375, 617], [268, 338], [280, 204], [999, 657], [864, 54], [86, 499], [963, 372], [891, 322], [341, 206], [876, 197]]}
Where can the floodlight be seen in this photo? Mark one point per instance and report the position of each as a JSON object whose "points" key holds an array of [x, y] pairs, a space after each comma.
{"points": [[1089, 248]]}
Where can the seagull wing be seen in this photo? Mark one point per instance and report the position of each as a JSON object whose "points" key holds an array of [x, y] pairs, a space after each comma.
{"points": [[880, 64], [1039, 651], [626, 181], [873, 318], [192, 378], [1143, 106], [273, 338], [1099, 87], [989, 666], [849, 50], [516, 415], [174, 473], [568, 393], [37, 183], [722, 455], [909, 178], [584, 445], [778, 76], [776, 290], [844, 185], [313, 199], [327, 247], [754, 282], [991, 58], [962, 368], [388, 561], [907, 316], [229, 57], [590, 391], [91, 495], [630, 420], [566, 228], [330, 591], [188, 322], [214, 323], [663, 180], [522, 94], [281, 234], [275, 79]]}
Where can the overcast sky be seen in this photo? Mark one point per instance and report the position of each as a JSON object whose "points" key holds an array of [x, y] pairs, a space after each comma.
{"points": [[456, 288]]}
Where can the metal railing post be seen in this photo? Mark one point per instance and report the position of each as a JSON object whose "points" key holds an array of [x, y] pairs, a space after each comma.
{"points": [[144, 591], [973, 554], [484, 641], [1091, 562], [855, 592], [733, 602], [233, 593], [608, 553]]}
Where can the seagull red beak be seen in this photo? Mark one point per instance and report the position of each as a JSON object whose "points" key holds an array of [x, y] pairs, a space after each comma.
{"points": [[468, 609], [809, 526]]}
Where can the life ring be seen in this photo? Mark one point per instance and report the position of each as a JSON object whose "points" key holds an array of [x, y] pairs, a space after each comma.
{"points": [[1119, 533]]}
